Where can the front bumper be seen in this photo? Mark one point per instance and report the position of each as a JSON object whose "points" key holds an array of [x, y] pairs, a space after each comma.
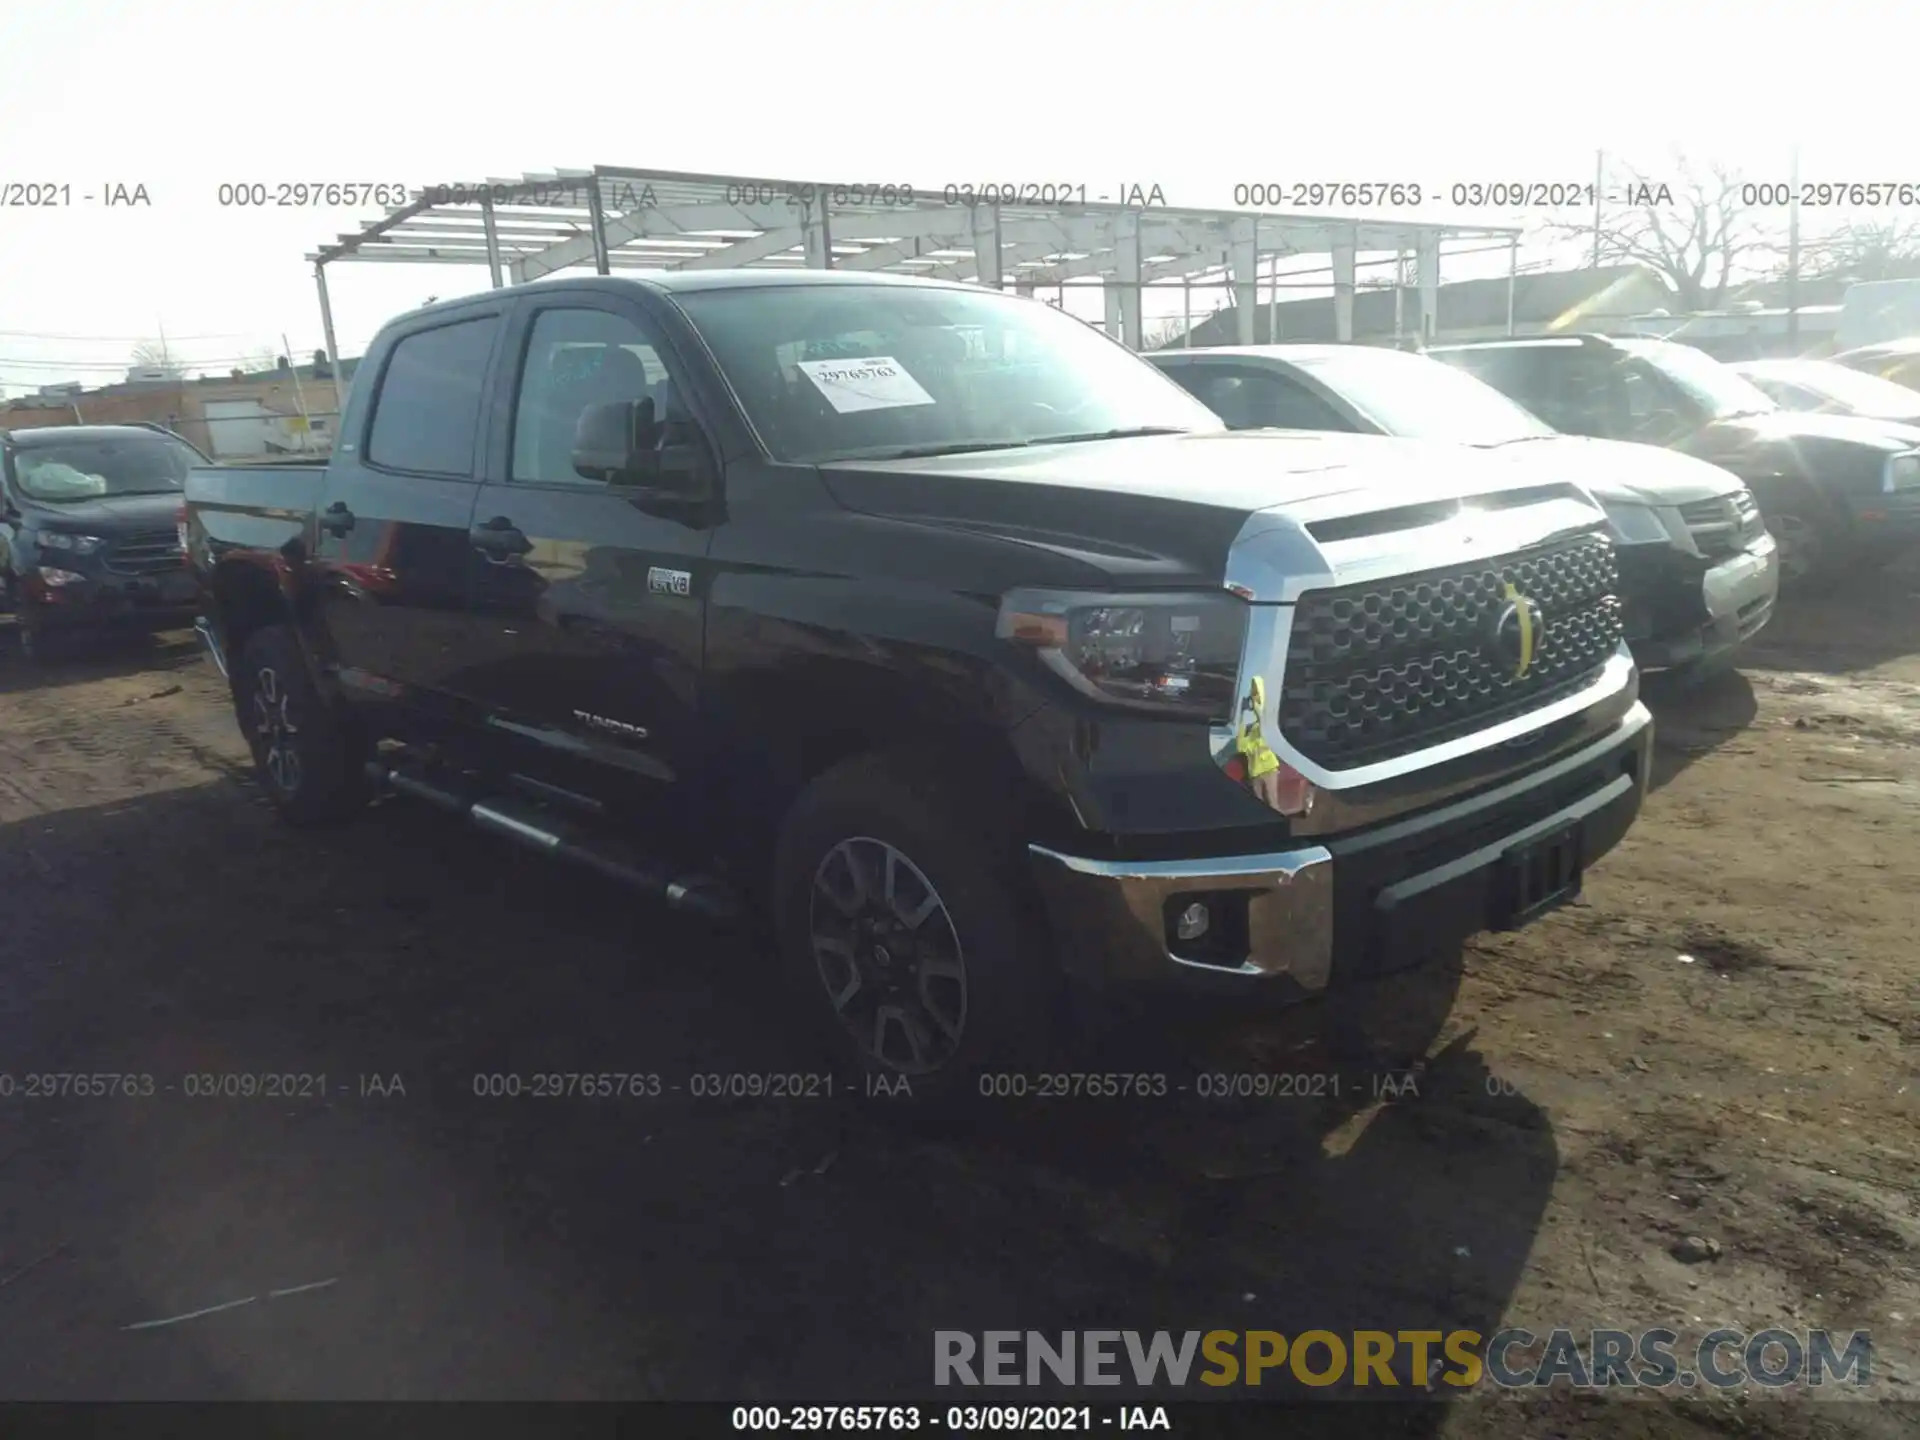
{"points": [[1295, 922], [1736, 597], [110, 602]]}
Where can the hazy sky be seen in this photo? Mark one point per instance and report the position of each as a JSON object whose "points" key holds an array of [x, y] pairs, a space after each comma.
{"points": [[1195, 98]]}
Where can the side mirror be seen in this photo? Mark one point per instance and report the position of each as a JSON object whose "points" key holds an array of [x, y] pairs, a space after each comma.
{"points": [[610, 441], [625, 444]]}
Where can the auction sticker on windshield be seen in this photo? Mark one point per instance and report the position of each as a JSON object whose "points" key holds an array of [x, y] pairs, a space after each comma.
{"points": [[870, 382]]}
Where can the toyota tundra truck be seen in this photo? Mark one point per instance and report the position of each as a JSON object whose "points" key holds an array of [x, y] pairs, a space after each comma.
{"points": [[941, 633]]}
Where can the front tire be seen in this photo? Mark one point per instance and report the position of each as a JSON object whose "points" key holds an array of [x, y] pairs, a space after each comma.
{"points": [[903, 922], [1803, 527], [305, 756], [38, 644]]}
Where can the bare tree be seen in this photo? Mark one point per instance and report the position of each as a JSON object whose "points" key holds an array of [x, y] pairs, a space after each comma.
{"points": [[1691, 228], [263, 357], [1864, 250], [154, 355]]}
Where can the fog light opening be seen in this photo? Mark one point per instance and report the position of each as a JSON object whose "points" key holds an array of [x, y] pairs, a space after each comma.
{"points": [[1194, 922], [1207, 927]]}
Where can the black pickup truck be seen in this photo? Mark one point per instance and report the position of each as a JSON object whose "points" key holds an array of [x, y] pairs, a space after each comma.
{"points": [[967, 651]]}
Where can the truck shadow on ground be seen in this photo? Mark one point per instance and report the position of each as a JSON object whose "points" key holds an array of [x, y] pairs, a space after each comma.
{"points": [[468, 1243], [1694, 718], [93, 657]]}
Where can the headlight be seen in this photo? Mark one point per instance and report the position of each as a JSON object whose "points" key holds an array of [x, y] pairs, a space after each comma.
{"points": [[62, 540], [1164, 654], [1902, 473], [1637, 524]]}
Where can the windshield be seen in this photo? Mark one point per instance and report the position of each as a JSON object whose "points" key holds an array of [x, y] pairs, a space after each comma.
{"points": [[1718, 389], [844, 372], [89, 469], [1420, 398], [1850, 389]]}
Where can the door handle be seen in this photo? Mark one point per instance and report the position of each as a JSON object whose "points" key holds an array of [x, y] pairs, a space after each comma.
{"points": [[500, 539], [336, 519]]}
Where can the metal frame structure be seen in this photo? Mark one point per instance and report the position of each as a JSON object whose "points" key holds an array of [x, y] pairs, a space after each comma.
{"points": [[616, 218]]}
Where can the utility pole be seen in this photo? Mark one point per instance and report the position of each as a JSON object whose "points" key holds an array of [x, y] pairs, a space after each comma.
{"points": [[1599, 194], [299, 398], [1793, 255]]}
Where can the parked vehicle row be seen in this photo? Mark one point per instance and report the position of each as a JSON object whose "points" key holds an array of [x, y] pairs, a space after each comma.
{"points": [[977, 659], [1698, 570], [1836, 491]]}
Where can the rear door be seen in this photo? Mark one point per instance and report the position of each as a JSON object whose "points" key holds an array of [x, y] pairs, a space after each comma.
{"points": [[392, 545], [590, 610]]}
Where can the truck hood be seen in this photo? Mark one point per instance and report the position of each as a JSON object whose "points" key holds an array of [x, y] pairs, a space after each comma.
{"points": [[1619, 472], [1166, 510], [1238, 471], [1783, 429], [111, 514]]}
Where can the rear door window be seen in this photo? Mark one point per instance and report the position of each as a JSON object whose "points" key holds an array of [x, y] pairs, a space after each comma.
{"points": [[426, 416]]}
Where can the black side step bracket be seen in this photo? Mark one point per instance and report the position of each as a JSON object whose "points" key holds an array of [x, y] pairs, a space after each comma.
{"points": [[538, 829]]}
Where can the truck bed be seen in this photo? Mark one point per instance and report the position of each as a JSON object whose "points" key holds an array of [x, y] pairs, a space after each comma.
{"points": [[254, 506]]}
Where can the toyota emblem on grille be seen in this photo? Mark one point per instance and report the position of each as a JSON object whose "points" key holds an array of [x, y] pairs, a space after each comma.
{"points": [[1517, 633]]}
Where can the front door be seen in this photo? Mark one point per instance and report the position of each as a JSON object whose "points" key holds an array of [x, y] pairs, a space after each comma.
{"points": [[591, 610]]}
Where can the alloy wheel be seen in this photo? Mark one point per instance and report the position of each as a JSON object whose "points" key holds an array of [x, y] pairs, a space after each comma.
{"points": [[889, 955], [276, 731]]}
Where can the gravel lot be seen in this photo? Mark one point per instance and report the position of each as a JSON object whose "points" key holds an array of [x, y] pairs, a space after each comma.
{"points": [[1719, 1041]]}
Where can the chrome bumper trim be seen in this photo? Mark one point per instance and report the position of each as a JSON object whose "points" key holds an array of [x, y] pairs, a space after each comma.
{"points": [[1114, 912]]}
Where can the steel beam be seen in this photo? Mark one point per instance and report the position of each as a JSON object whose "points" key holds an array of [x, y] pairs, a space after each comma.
{"points": [[1345, 264], [1126, 254], [333, 349], [986, 244], [817, 233], [1429, 262], [745, 252], [493, 242], [597, 219], [1244, 262]]}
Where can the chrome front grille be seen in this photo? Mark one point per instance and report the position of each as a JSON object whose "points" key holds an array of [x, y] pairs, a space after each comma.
{"points": [[1724, 526], [147, 552], [1376, 671]]}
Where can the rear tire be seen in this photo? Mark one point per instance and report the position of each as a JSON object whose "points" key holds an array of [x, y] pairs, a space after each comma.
{"points": [[904, 923], [306, 757]]}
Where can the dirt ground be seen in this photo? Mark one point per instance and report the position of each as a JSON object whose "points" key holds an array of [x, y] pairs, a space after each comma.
{"points": [[1719, 1041]]}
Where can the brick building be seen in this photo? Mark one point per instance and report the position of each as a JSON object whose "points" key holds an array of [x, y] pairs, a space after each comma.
{"points": [[231, 417]]}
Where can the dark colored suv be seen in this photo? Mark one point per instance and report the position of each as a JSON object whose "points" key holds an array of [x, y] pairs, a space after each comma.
{"points": [[1837, 491], [89, 533]]}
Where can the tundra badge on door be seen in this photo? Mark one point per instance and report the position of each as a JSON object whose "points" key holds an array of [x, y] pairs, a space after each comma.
{"points": [[669, 582], [613, 727]]}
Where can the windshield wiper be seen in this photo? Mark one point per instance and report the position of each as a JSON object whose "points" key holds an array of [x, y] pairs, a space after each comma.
{"points": [[1126, 433], [959, 447], [1517, 440]]}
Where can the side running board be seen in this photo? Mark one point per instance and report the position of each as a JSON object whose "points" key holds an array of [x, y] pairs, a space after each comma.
{"points": [[537, 829]]}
